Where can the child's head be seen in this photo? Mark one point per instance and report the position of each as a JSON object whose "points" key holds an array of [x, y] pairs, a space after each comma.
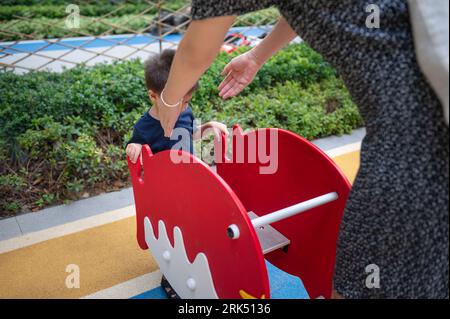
{"points": [[157, 69]]}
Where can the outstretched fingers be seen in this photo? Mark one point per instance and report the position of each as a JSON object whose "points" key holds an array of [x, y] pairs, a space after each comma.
{"points": [[226, 70], [227, 87], [225, 81], [234, 90]]}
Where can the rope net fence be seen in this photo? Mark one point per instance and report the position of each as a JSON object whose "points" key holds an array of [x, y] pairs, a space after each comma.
{"points": [[57, 34]]}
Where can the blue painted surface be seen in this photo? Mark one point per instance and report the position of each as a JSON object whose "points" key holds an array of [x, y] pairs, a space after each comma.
{"points": [[282, 286], [155, 293], [107, 41]]}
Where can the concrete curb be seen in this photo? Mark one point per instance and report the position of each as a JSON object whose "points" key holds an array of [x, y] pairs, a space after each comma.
{"points": [[63, 214]]}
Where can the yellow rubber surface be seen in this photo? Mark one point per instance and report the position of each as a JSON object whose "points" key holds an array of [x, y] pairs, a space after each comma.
{"points": [[106, 255], [349, 163]]}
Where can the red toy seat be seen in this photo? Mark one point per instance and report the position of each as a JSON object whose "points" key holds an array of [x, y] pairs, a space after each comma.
{"points": [[303, 172], [196, 206]]}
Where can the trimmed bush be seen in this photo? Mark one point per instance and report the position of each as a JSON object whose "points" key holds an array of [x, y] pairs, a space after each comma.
{"points": [[81, 2], [63, 134], [57, 11]]}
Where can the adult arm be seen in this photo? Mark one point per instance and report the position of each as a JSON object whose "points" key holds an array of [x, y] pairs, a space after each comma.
{"points": [[197, 50], [241, 71]]}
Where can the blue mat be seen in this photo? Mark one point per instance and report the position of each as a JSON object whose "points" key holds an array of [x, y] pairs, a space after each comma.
{"points": [[155, 293], [282, 286], [107, 41]]}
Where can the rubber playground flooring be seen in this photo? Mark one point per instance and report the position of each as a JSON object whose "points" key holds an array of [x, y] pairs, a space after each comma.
{"points": [[110, 263]]}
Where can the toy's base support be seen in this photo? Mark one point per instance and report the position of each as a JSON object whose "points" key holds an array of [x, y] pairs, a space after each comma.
{"points": [[282, 286], [269, 238]]}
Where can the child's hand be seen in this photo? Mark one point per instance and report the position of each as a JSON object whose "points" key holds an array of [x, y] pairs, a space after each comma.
{"points": [[216, 128], [133, 151]]}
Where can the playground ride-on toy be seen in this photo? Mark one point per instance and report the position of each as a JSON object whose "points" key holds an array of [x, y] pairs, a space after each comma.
{"points": [[210, 232]]}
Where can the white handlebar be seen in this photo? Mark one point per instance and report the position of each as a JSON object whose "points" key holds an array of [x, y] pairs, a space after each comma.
{"points": [[233, 230], [294, 210]]}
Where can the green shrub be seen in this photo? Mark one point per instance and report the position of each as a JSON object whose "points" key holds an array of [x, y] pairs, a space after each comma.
{"points": [[297, 63], [12, 206], [12, 180], [45, 199], [59, 11], [87, 9], [79, 2], [93, 94], [261, 17], [63, 134], [84, 158]]}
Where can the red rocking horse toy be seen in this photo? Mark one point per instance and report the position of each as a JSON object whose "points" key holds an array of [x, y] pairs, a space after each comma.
{"points": [[211, 231]]}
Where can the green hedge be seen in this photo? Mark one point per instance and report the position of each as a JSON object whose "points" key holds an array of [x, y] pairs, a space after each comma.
{"points": [[93, 9], [52, 11], [64, 134], [81, 2]]}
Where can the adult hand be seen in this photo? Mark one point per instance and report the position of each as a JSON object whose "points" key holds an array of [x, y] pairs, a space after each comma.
{"points": [[168, 116], [240, 72]]}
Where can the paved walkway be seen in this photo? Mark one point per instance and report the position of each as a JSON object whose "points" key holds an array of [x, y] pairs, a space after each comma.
{"points": [[98, 235]]}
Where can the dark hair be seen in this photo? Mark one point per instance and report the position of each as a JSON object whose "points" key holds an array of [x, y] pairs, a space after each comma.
{"points": [[156, 70]]}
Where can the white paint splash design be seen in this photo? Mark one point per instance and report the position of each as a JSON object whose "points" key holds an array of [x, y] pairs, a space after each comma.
{"points": [[190, 280]]}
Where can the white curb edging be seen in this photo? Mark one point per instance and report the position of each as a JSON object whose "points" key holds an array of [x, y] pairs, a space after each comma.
{"points": [[65, 229], [129, 288]]}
